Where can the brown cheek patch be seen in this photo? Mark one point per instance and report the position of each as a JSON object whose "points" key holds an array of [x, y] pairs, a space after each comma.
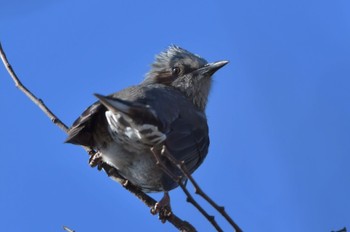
{"points": [[165, 78]]}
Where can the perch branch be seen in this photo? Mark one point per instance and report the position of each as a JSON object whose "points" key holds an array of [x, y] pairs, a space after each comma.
{"points": [[181, 166], [157, 153], [150, 202]]}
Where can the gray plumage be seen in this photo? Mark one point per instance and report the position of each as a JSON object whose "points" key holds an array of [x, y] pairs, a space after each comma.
{"points": [[167, 108]]}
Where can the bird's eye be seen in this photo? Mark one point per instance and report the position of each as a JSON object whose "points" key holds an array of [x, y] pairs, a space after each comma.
{"points": [[175, 70]]}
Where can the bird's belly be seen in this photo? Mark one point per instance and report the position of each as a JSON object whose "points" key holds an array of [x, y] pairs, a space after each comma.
{"points": [[139, 168]]}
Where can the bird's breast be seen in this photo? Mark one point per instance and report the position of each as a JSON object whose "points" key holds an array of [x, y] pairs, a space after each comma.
{"points": [[140, 168]]}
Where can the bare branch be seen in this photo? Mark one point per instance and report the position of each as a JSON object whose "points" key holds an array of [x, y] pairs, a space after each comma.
{"points": [[31, 96], [180, 165], [150, 202], [157, 155], [180, 224], [341, 230], [68, 229]]}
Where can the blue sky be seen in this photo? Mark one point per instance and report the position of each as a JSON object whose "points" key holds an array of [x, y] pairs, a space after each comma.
{"points": [[278, 113]]}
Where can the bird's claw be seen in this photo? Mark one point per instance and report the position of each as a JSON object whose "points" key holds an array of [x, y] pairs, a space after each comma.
{"points": [[163, 212], [96, 160], [162, 208]]}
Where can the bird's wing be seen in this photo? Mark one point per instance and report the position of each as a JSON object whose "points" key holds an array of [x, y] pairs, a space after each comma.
{"points": [[139, 112], [184, 125], [173, 114], [134, 123], [81, 131], [188, 140], [83, 128]]}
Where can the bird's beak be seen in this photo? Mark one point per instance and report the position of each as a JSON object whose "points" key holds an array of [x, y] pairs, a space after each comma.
{"points": [[211, 68]]}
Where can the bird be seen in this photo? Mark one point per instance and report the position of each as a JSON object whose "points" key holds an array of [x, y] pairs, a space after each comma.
{"points": [[167, 109]]}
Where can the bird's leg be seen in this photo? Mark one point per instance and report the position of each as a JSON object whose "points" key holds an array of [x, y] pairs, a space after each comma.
{"points": [[158, 153], [96, 160], [162, 208], [181, 166]]}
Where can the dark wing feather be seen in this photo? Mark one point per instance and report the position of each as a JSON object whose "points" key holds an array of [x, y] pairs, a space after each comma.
{"points": [[188, 140], [81, 131], [140, 113], [184, 125]]}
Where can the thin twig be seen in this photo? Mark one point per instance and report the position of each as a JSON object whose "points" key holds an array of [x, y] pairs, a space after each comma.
{"points": [[157, 153], [191, 200], [181, 166], [68, 229], [220, 209], [31, 96], [150, 202], [341, 230]]}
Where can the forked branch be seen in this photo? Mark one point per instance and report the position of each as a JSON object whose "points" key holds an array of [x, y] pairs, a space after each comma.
{"points": [[180, 165], [158, 153]]}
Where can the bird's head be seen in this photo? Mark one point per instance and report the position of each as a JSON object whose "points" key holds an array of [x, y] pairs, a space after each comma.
{"points": [[185, 71]]}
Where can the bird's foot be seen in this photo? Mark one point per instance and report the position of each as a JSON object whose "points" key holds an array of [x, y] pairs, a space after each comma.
{"points": [[96, 160], [162, 208]]}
